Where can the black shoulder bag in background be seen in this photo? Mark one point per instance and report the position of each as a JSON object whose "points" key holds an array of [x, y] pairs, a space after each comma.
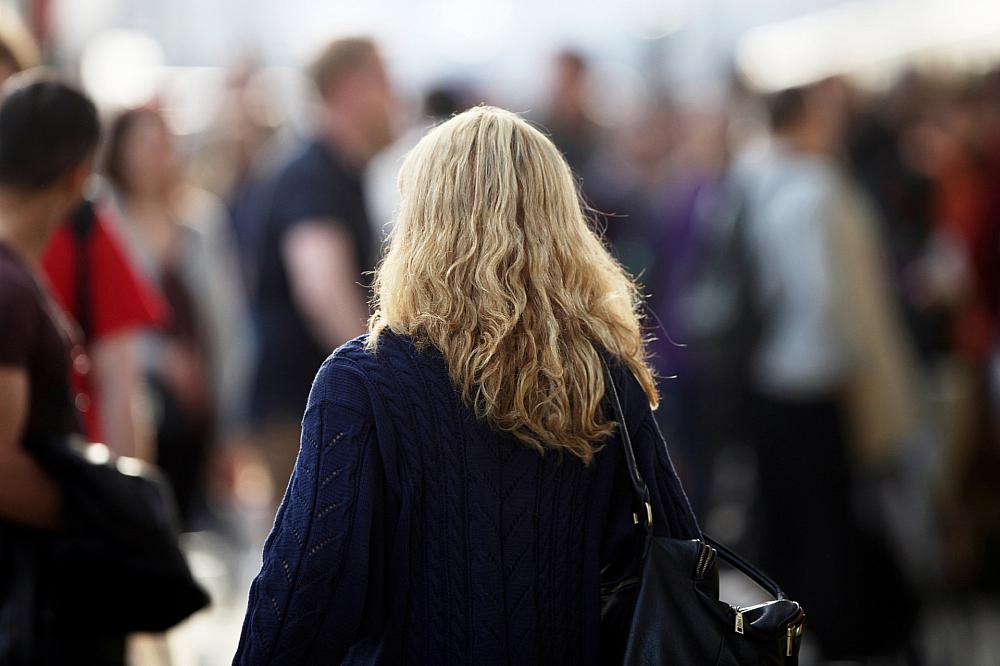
{"points": [[115, 566], [663, 607]]}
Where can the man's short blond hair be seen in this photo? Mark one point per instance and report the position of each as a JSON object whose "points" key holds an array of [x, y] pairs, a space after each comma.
{"points": [[341, 56]]}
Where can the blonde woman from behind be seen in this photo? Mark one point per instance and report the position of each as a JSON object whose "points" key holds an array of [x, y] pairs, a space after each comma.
{"points": [[458, 487]]}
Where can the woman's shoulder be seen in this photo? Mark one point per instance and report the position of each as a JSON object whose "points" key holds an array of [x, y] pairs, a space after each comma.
{"points": [[357, 368], [631, 394]]}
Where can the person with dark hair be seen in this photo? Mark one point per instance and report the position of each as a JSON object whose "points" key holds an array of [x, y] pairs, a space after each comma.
{"points": [[315, 243], [93, 281], [442, 102], [572, 130], [48, 134]]}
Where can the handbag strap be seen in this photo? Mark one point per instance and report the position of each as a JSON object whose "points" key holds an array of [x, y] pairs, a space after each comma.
{"points": [[738, 562], [638, 484], [642, 493]]}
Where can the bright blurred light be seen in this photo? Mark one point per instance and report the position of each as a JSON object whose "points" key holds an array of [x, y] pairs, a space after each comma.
{"points": [[308, 26], [191, 97], [75, 22], [472, 32], [121, 68], [864, 37], [654, 19]]}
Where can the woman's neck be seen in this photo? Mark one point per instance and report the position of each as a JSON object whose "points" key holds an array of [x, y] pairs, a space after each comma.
{"points": [[160, 199], [154, 219], [150, 213]]}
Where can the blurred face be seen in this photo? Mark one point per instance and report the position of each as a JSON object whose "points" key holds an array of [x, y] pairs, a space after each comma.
{"points": [[826, 109], [149, 156], [366, 96], [569, 86]]}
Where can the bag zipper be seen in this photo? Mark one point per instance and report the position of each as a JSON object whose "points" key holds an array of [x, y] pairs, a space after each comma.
{"points": [[705, 557], [792, 632]]}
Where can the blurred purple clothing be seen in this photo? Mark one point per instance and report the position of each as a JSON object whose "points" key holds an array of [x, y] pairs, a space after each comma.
{"points": [[680, 246]]}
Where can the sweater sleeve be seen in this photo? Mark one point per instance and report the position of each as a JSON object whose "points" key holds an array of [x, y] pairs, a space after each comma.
{"points": [[311, 598]]}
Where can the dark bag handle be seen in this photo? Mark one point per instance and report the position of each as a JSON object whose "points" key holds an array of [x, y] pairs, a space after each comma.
{"points": [[642, 492], [638, 484]]}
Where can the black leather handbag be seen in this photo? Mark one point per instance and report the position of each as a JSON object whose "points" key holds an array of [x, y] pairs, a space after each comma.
{"points": [[116, 565], [661, 606]]}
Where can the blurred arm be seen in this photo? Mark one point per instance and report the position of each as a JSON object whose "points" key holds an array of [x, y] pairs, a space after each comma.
{"points": [[324, 274], [227, 316], [116, 379], [27, 495]]}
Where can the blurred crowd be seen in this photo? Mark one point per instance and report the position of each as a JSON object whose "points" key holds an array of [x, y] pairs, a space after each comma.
{"points": [[822, 270]]}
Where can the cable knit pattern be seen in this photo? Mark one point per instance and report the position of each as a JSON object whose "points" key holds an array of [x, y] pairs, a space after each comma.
{"points": [[410, 532]]}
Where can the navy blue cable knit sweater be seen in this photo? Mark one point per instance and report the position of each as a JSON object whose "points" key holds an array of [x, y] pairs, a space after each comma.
{"points": [[410, 532]]}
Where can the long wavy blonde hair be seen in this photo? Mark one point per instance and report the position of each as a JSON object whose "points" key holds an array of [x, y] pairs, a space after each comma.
{"points": [[492, 261]]}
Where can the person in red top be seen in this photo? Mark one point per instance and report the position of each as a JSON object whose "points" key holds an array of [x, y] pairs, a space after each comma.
{"points": [[93, 280]]}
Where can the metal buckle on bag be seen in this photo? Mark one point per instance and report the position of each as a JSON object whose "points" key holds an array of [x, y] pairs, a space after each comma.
{"points": [[649, 516], [794, 631]]}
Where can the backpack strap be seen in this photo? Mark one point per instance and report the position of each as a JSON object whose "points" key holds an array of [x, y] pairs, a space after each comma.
{"points": [[83, 222]]}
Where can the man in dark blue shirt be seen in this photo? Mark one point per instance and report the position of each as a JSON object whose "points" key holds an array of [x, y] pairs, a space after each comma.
{"points": [[315, 243]]}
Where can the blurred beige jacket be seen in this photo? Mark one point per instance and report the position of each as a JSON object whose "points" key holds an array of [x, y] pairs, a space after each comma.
{"points": [[881, 383]]}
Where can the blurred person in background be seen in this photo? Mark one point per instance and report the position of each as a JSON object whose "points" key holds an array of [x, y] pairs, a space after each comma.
{"points": [[613, 168], [315, 244], [566, 118], [196, 367], [678, 242], [829, 376], [48, 135], [93, 281], [958, 145], [459, 484], [628, 180], [928, 150], [889, 163], [238, 153]]}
